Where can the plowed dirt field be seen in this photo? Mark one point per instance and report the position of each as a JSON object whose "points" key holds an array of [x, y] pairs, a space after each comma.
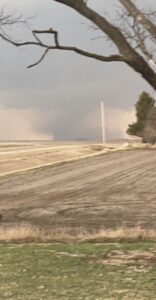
{"points": [[104, 191]]}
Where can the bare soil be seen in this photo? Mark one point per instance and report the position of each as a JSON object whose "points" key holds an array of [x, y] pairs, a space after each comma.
{"points": [[139, 260], [107, 191], [19, 157]]}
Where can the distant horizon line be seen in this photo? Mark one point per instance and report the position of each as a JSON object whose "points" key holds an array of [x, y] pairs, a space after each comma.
{"points": [[68, 140]]}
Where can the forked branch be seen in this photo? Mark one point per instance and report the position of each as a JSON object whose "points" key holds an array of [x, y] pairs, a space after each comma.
{"points": [[56, 46]]}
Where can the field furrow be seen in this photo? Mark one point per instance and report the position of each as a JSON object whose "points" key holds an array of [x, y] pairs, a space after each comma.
{"points": [[105, 191]]}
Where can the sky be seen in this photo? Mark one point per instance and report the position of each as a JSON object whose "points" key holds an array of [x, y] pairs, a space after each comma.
{"points": [[60, 98]]}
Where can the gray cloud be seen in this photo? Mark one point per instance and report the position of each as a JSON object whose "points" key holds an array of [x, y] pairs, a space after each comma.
{"points": [[116, 123], [65, 88]]}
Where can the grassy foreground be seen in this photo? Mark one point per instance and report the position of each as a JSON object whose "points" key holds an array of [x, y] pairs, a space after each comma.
{"points": [[88, 271]]}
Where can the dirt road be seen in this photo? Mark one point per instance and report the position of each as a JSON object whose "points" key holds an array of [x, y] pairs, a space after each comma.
{"points": [[106, 191]]}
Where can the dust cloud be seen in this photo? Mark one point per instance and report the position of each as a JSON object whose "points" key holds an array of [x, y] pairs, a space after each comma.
{"points": [[22, 124]]}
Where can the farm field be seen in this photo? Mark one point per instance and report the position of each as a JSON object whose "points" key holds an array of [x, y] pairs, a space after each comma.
{"points": [[85, 271], [18, 156], [69, 219], [105, 191]]}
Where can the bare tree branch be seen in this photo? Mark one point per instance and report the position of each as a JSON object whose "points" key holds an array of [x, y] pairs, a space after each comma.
{"points": [[39, 61], [137, 35], [139, 16], [132, 57], [19, 44], [132, 47], [57, 46]]}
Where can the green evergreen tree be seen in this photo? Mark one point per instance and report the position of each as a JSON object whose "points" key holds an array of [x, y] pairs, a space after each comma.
{"points": [[149, 132], [143, 106]]}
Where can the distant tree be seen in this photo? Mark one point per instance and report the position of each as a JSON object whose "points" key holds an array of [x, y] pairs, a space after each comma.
{"points": [[149, 132], [143, 107]]}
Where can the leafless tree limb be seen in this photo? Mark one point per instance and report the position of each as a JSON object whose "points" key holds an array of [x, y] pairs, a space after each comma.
{"points": [[57, 46], [132, 49], [139, 16], [39, 61], [137, 35], [132, 57]]}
